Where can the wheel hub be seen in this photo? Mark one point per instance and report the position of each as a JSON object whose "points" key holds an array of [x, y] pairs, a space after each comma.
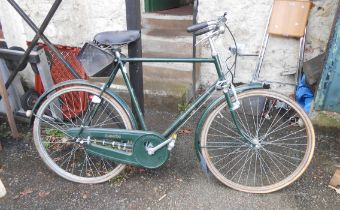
{"points": [[256, 142]]}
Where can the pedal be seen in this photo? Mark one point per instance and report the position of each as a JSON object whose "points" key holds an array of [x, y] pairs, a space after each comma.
{"points": [[173, 138]]}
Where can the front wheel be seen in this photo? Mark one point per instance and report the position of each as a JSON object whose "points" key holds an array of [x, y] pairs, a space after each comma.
{"points": [[76, 107], [282, 147]]}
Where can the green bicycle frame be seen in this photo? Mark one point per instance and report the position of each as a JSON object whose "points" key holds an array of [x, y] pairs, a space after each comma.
{"points": [[121, 61]]}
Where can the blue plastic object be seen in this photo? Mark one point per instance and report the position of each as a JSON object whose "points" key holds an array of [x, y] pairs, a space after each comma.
{"points": [[303, 95]]}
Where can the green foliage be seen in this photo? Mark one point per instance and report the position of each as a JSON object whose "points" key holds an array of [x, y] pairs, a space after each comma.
{"points": [[183, 106], [117, 180], [46, 144], [52, 132], [5, 131]]}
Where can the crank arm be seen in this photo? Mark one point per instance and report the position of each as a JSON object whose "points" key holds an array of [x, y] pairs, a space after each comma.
{"points": [[152, 150], [170, 142]]}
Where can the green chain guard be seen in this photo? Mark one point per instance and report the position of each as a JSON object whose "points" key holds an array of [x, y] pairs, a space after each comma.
{"points": [[140, 139], [142, 156]]}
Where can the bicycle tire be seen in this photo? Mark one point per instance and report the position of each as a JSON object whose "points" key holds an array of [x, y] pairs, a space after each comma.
{"points": [[221, 147], [46, 142]]}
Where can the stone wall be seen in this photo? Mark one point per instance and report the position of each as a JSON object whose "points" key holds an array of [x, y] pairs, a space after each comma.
{"points": [[77, 21], [74, 23], [247, 19]]}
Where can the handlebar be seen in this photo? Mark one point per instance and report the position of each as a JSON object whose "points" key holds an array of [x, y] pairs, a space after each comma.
{"points": [[204, 27], [197, 27], [202, 31]]}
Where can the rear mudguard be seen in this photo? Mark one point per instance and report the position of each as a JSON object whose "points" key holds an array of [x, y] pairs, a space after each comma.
{"points": [[212, 106], [87, 84]]}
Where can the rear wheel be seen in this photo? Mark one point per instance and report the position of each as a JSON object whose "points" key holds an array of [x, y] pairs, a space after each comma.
{"points": [[69, 108], [283, 142]]}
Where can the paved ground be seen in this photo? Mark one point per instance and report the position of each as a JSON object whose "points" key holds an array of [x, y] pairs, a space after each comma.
{"points": [[179, 184]]}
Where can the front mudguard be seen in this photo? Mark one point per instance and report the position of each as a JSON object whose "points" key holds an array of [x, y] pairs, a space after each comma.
{"points": [[212, 106], [87, 84]]}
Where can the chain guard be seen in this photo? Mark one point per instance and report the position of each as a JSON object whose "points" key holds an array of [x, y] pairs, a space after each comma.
{"points": [[141, 155], [139, 140]]}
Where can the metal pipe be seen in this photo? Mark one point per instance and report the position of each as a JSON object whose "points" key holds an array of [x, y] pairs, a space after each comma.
{"points": [[16, 55], [134, 100], [179, 121], [39, 33], [23, 60], [261, 57], [133, 22], [171, 60], [194, 21], [263, 50], [301, 57]]}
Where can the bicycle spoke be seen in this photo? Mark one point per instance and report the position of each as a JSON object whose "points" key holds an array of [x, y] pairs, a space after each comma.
{"points": [[68, 154], [278, 146], [252, 114], [241, 168], [235, 163]]}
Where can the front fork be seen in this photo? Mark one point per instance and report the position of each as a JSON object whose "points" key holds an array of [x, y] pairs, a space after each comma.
{"points": [[233, 106], [228, 87]]}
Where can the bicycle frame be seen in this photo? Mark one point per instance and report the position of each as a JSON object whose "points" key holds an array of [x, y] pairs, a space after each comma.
{"points": [[121, 61], [179, 121]]}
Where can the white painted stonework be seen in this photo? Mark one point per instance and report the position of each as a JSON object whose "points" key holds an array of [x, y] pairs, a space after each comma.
{"points": [[247, 19], [75, 22], [78, 21]]}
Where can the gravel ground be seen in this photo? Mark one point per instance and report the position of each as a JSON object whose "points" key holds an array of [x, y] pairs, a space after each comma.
{"points": [[178, 184]]}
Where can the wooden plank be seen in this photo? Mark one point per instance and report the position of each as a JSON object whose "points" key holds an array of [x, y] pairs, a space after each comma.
{"points": [[9, 112], [289, 18], [2, 189], [335, 181]]}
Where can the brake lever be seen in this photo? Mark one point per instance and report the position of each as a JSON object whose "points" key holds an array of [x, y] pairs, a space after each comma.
{"points": [[207, 37], [223, 18], [218, 25]]}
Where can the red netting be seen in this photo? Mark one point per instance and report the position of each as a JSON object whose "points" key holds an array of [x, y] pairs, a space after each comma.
{"points": [[60, 73]]}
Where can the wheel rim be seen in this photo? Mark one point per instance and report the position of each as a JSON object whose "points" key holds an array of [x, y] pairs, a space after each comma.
{"points": [[283, 140], [59, 151]]}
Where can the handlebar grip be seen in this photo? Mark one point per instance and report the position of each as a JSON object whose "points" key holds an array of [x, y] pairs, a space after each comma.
{"points": [[197, 27], [202, 31]]}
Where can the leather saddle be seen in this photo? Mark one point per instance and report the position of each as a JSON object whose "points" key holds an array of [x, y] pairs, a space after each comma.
{"points": [[116, 37]]}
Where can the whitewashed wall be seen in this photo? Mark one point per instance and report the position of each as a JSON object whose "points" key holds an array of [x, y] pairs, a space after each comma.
{"points": [[247, 19], [75, 22]]}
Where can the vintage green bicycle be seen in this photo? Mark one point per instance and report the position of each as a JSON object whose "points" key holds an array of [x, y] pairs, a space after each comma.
{"points": [[251, 139]]}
